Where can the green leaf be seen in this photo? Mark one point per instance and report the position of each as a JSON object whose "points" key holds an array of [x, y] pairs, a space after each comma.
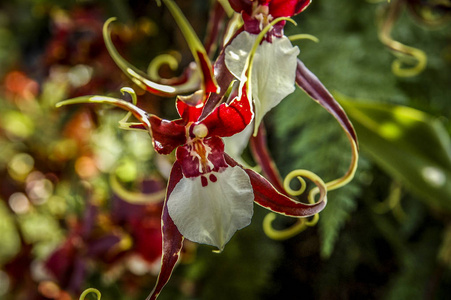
{"points": [[410, 145]]}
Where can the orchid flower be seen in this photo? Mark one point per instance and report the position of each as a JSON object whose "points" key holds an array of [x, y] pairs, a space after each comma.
{"points": [[275, 60], [275, 72], [209, 195]]}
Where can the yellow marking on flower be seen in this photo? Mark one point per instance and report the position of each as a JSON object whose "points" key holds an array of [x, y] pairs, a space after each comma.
{"points": [[201, 152]]}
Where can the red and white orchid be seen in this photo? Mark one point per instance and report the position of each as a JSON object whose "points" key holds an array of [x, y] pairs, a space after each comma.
{"points": [[209, 195]]}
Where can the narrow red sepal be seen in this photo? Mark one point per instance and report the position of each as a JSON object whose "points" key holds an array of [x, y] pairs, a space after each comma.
{"points": [[172, 238], [308, 81], [267, 196], [210, 85]]}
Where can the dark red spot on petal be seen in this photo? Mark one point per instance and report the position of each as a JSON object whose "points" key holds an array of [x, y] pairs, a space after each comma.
{"points": [[213, 178], [204, 181]]}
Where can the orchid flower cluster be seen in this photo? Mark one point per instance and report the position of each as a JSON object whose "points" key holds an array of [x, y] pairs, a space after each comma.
{"points": [[222, 103]]}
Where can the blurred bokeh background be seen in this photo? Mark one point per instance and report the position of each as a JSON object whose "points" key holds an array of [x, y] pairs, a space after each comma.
{"points": [[80, 199]]}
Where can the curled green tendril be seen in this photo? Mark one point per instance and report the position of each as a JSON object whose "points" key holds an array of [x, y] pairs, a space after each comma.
{"points": [[303, 36], [123, 123], [302, 223], [90, 290], [134, 197], [295, 229], [157, 62], [298, 192], [138, 77], [413, 57], [392, 203], [300, 175], [131, 92], [406, 56]]}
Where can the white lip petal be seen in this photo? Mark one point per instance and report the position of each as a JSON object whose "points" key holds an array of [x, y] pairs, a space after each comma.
{"points": [[273, 72], [211, 214]]}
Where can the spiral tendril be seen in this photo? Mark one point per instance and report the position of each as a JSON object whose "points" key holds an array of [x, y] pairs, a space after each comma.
{"points": [[406, 55], [301, 223], [164, 59], [134, 197], [90, 290]]}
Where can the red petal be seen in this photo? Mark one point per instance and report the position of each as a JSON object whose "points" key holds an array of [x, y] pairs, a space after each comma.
{"points": [[229, 119], [287, 8], [166, 135], [189, 113], [172, 238], [267, 196]]}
